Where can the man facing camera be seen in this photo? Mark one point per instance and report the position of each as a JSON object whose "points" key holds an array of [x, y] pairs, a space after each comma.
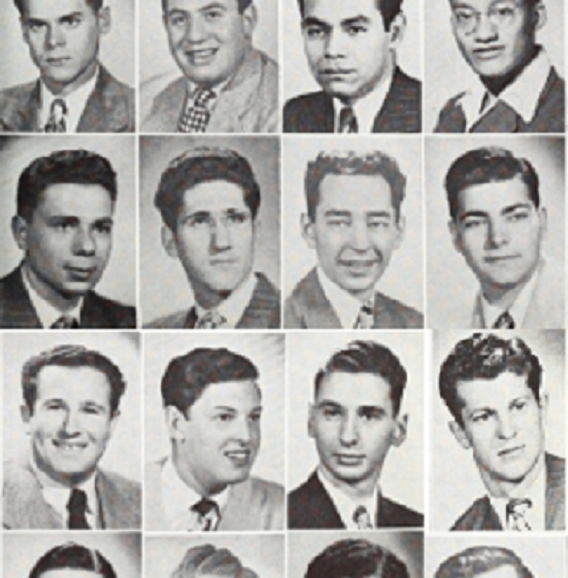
{"points": [[213, 405], [71, 408], [75, 92], [227, 85], [209, 200], [64, 222], [355, 420], [494, 391], [354, 223], [518, 88], [351, 50]]}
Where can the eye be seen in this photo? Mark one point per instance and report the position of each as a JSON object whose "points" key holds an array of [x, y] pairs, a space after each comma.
{"points": [[225, 417], [372, 414], [63, 226], [338, 222], [315, 32], [255, 417], [36, 27], [198, 220], [103, 228], [378, 224], [237, 218], [212, 15], [504, 12], [53, 405], [464, 16], [355, 29], [518, 216], [520, 405], [177, 19], [481, 417], [472, 223], [72, 21]]}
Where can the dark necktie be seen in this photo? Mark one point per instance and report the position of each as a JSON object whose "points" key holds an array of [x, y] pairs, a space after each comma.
{"points": [[362, 518], [55, 124], [501, 118], [77, 508], [65, 322], [365, 319], [504, 321], [347, 120], [516, 510], [208, 512], [196, 116]]}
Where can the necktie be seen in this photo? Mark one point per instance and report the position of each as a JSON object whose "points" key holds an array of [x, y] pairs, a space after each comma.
{"points": [[65, 322], [504, 321], [347, 120], [196, 116], [208, 514], [57, 114], [77, 507], [362, 518], [501, 118], [211, 320], [516, 510], [365, 319]]}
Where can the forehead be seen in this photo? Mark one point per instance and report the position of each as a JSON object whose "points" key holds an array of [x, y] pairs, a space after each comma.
{"points": [[483, 5], [214, 196], [197, 5], [506, 571], [84, 201], [70, 573], [339, 10], [242, 395], [52, 9]]}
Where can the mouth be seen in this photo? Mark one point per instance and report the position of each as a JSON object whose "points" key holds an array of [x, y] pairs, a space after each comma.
{"points": [[80, 273], [358, 266], [511, 452], [336, 73], [69, 446], [349, 459], [58, 61], [201, 57], [501, 259], [239, 458], [488, 52]]}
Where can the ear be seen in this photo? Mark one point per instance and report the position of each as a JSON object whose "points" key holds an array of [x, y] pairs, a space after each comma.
{"points": [[456, 239], [249, 18], [539, 15], [396, 30], [26, 414], [20, 232], [307, 229], [114, 421], [543, 403], [401, 229], [460, 435], [104, 20], [169, 242], [311, 420], [398, 435], [175, 421]]}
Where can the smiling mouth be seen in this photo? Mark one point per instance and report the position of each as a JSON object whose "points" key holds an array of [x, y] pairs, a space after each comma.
{"points": [[68, 446], [239, 458], [201, 56]]}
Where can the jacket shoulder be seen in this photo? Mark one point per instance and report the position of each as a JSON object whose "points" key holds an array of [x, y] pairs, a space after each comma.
{"points": [[102, 312], [298, 301], [311, 112], [400, 515], [470, 519], [16, 93], [172, 321], [122, 498], [451, 117], [408, 317]]}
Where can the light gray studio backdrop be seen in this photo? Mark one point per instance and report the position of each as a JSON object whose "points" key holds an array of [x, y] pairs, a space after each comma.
{"points": [[262, 553], [446, 73], [454, 478], [451, 285], [402, 478], [403, 279], [297, 78], [164, 287], [265, 350], [124, 451], [117, 47], [304, 546], [17, 152], [122, 549]]}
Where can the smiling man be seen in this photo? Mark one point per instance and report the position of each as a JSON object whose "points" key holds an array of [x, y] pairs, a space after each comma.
{"points": [[351, 50], [227, 85], [494, 390], [354, 223], [213, 406], [64, 221], [75, 93], [71, 398], [518, 89]]}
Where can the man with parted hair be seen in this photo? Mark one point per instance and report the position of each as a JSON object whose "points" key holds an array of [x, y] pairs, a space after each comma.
{"points": [[493, 388], [206, 560], [212, 405], [354, 222], [355, 419], [71, 409]]}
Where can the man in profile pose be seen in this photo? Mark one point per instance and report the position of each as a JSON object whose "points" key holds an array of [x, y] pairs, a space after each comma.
{"points": [[71, 408], [63, 224], [499, 225], [354, 236], [209, 199], [351, 49], [518, 88], [355, 420], [212, 404], [493, 389], [75, 92]]}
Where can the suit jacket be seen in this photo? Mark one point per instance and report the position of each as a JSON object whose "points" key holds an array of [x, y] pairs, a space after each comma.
{"points": [[109, 108], [311, 507], [549, 115], [308, 308], [249, 103], [401, 110], [482, 516], [17, 312], [252, 505], [262, 312], [25, 508]]}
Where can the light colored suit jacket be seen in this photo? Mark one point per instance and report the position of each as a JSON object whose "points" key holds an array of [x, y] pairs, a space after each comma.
{"points": [[253, 505], [25, 508], [248, 104]]}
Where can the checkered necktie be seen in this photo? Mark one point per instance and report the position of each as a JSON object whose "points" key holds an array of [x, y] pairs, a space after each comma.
{"points": [[504, 321], [365, 319], [53, 125], [516, 510], [348, 120], [196, 116], [208, 515], [211, 320], [65, 322], [362, 518]]}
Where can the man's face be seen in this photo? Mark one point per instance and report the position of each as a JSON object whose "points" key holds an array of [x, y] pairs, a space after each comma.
{"points": [[355, 231], [208, 38], [214, 239], [347, 47], [499, 232], [71, 422], [494, 49], [63, 38], [69, 239], [503, 424], [354, 426], [221, 434]]}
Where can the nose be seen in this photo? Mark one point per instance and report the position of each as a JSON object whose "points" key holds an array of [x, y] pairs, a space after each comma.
{"points": [[497, 234], [349, 434], [506, 428], [84, 242], [485, 30], [55, 37], [220, 235], [359, 240], [195, 31], [334, 47], [70, 425], [246, 430]]}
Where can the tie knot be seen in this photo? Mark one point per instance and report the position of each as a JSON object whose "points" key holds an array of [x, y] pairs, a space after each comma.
{"points": [[366, 318], [203, 96], [77, 508], [211, 320], [504, 321], [347, 120], [57, 114], [362, 518], [516, 510], [65, 322], [208, 512]]}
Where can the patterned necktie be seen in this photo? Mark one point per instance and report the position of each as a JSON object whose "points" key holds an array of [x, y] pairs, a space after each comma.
{"points": [[365, 319], [362, 518], [77, 508], [504, 321], [196, 116], [55, 124], [347, 120], [501, 118], [211, 320], [516, 510], [208, 515], [65, 322]]}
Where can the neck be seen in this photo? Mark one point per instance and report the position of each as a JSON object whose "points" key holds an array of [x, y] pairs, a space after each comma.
{"points": [[64, 89], [497, 84], [500, 488], [63, 303], [359, 489]]}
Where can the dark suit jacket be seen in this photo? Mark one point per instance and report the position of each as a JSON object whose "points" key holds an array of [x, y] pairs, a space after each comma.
{"points": [[401, 110], [482, 516], [262, 312], [308, 308], [310, 507], [17, 312], [109, 108]]}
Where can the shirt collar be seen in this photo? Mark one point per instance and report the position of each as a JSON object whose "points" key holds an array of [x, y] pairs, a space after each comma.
{"points": [[217, 89]]}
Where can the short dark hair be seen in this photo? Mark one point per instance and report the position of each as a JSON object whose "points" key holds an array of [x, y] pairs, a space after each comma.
{"points": [[488, 165], [71, 356], [187, 376], [73, 556], [356, 559], [96, 5], [388, 9], [242, 4], [353, 163], [486, 356], [367, 357], [200, 165], [479, 560], [78, 166]]}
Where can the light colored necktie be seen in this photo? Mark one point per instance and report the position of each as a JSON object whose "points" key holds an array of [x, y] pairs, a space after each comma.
{"points": [[362, 518], [55, 124], [516, 510], [211, 320], [196, 116], [347, 120], [366, 318], [65, 322], [207, 515], [504, 321]]}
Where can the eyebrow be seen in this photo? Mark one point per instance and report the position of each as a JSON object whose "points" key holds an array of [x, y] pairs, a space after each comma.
{"points": [[505, 211], [315, 21], [59, 19]]}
